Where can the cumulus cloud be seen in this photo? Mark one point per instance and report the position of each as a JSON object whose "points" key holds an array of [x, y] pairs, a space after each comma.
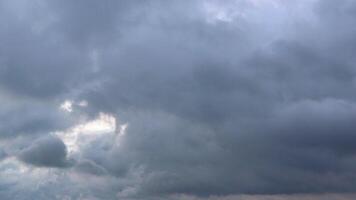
{"points": [[49, 151], [199, 99]]}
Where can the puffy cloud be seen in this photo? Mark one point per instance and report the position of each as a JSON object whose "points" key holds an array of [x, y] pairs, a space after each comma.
{"points": [[49, 151]]}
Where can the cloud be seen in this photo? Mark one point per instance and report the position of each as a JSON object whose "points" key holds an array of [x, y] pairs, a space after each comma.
{"points": [[31, 120], [48, 151], [88, 166], [3, 154], [277, 197], [204, 99]]}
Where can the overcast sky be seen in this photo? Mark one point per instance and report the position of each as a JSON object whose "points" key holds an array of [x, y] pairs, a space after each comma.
{"points": [[177, 99]]}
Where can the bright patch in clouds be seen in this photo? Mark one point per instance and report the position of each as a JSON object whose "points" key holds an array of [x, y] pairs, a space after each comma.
{"points": [[67, 106], [84, 133]]}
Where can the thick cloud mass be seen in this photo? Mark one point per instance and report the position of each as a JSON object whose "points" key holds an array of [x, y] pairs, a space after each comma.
{"points": [[200, 99], [45, 152]]}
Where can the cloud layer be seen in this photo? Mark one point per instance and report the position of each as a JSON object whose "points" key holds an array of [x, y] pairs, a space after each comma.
{"points": [[199, 99]]}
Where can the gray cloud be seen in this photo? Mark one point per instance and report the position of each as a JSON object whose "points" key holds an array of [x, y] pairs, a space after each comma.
{"points": [[220, 97], [3, 154], [90, 167], [31, 120], [49, 151]]}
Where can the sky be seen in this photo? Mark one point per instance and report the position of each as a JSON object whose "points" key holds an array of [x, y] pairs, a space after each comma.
{"points": [[177, 100]]}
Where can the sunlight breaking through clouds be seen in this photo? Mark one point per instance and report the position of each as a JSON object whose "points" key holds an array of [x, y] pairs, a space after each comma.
{"points": [[82, 134]]}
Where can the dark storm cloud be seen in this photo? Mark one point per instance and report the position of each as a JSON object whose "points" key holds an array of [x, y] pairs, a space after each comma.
{"points": [[239, 101], [219, 97], [49, 151]]}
